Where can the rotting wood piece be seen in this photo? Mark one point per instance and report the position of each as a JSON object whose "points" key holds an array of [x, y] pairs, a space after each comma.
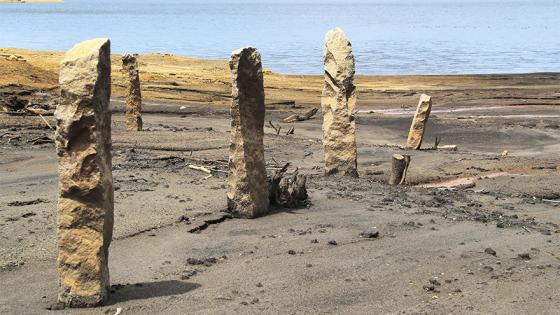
{"points": [[288, 191], [399, 169]]}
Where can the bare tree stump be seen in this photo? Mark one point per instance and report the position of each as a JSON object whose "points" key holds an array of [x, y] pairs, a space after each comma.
{"points": [[288, 191], [399, 169]]}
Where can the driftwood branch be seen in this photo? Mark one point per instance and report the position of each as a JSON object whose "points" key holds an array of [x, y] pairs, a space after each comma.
{"points": [[277, 129], [305, 116], [41, 140]]}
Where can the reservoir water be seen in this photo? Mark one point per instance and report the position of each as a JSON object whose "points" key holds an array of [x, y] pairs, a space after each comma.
{"points": [[389, 37]]}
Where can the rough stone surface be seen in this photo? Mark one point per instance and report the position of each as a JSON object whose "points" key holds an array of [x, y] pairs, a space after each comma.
{"points": [[247, 184], [85, 201], [338, 103], [418, 127], [133, 94]]}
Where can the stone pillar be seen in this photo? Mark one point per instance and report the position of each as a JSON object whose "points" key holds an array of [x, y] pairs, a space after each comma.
{"points": [[133, 94], [247, 193], [338, 103], [85, 197], [419, 122]]}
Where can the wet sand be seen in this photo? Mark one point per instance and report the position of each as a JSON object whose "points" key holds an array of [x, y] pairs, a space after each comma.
{"points": [[487, 248]]}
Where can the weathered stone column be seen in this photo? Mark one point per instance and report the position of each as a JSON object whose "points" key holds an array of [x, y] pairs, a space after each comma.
{"points": [[338, 103], [133, 94], [85, 200], [247, 185], [419, 122]]}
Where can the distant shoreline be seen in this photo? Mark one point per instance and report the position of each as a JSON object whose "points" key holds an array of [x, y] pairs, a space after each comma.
{"points": [[30, 1]]}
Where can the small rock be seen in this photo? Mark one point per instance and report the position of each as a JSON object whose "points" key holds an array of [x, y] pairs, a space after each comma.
{"points": [[291, 252], [524, 256], [500, 225], [435, 282], [184, 218], [333, 242], [373, 233], [188, 274], [490, 251]]}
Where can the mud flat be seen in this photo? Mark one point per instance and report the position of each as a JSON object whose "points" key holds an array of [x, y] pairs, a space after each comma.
{"points": [[360, 247]]}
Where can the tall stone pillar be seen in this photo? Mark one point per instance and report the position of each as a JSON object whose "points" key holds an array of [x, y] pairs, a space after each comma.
{"points": [[133, 94], [85, 200], [338, 103], [418, 127], [247, 193]]}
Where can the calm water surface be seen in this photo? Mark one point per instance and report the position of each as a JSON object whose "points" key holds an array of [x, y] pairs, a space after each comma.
{"points": [[421, 37]]}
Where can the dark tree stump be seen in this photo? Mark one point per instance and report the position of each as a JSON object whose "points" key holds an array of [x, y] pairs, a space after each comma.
{"points": [[288, 191]]}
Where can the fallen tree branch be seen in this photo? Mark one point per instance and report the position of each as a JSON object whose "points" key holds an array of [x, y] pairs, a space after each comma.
{"points": [[46, 122]]}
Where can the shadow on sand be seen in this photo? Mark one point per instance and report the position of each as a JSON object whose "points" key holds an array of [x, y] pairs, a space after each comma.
{"points": [[140, 291]]}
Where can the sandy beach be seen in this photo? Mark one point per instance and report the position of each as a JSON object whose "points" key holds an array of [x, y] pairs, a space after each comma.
{"points": [[489, 246]]}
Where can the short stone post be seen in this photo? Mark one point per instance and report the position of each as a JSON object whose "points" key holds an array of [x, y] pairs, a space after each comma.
{"points": [[133, 94], [418, 127], [85, 197], [338, 103], [247, 193]]}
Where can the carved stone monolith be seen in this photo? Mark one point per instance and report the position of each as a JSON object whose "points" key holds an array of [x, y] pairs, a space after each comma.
{"points": [[247, 193], [418, 127], [338, 103], [133, 94], [85, 200]]}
